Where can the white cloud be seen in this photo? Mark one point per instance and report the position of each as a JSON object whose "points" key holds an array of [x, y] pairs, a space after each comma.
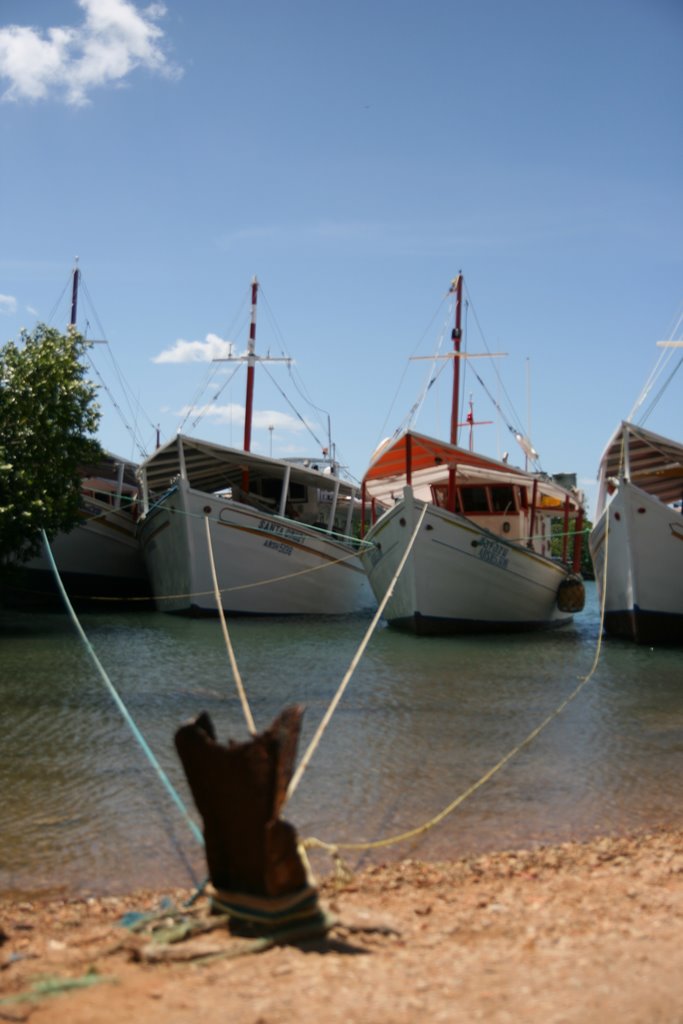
{"points": [[114, 39], [265, 418], [196, 351], [8, 304], [233, 413]]}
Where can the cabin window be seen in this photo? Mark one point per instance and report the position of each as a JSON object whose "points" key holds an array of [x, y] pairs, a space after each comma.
{"points": [[271, 489], [440, 495], [297, 492], [473, 500], [503, 498]]}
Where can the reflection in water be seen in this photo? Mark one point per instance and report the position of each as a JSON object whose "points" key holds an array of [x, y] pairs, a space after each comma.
{"points": [[422, 720]]}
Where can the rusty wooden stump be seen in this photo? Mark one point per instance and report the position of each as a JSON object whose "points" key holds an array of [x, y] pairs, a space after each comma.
{"points": [[254, 864]]}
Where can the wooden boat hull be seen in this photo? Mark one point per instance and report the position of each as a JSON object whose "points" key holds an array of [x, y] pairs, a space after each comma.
{"points": [[265, 564], [643, 547], [99, 562], [459, 577]]}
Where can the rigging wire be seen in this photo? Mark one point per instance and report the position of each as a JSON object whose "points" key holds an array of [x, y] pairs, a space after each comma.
{"points": [[131, 430], [202, 411], [211, 376], [294, 409], [657, 398], [663, 360], [514, 415], [434, 375], [299, 385], [236, 325], [59, 301], [427, 331], [135, 408]]}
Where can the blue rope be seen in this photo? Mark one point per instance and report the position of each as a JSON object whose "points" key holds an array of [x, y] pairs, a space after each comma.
{"points": [[196, 832]]}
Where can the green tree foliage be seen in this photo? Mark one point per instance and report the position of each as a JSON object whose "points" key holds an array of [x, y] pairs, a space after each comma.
{"points": [[48, 417]]}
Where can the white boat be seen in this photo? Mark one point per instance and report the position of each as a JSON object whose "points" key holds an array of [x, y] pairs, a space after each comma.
{"points": [[99, 561], [637, 541], [281, 533], [482, 559]]}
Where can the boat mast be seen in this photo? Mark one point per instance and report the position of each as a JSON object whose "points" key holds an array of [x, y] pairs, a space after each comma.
{"points": [[456, 335], [251, 359], [251, 362], [74, 294]]}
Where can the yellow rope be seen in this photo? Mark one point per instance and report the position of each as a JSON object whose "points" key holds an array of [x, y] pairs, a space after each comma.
{"points": [[333, 848], [603, 599], [233, 661], [241, 586], [294, 782], [262, 583]]}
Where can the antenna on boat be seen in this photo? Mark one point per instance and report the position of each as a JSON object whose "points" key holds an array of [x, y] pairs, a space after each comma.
{"points": [[472, 423]]}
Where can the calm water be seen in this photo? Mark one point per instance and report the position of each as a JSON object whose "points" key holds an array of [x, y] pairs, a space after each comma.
{"points": [[421, 721]]}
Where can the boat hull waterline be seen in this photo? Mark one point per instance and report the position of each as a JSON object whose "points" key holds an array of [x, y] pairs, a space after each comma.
{"points": [[459, 577], [265, 564], [99, 562], [644, 549]]}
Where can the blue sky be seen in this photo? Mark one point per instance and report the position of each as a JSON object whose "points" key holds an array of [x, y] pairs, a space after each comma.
{"points": [[354, 157]]}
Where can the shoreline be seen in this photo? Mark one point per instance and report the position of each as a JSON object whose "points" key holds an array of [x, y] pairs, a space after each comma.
{"points": [[573, 932]]}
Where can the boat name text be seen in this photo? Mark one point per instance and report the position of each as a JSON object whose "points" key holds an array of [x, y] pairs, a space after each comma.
{"points": [[494, 554], [276, 545], [284, 532]]}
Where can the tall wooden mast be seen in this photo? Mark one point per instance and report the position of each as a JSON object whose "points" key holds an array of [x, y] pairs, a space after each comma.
{"points": [[456, 335], [74, 295], [251, 362]]}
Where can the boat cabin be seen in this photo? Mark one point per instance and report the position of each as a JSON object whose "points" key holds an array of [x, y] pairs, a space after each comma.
{"points": [[296, 490], [511, 503]]}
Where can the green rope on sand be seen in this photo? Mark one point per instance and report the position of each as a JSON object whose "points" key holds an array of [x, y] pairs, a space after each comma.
{"points": [[54, 985], [160, 951], [165, 928]]}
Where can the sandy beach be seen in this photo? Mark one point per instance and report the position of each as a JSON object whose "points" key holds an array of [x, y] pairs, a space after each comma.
{"points": [[579, 932]]}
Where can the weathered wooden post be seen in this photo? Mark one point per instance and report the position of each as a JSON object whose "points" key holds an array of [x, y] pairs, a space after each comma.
{"points": [[256, 870]]}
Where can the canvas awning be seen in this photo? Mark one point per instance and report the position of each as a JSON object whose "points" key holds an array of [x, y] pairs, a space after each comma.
{"points": [[211, 467], [430, 460], [651, 462]]}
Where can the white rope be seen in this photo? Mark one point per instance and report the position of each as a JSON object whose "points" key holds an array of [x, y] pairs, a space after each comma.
{"points": [[603, 602], [352, 667], [251, 726]]}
